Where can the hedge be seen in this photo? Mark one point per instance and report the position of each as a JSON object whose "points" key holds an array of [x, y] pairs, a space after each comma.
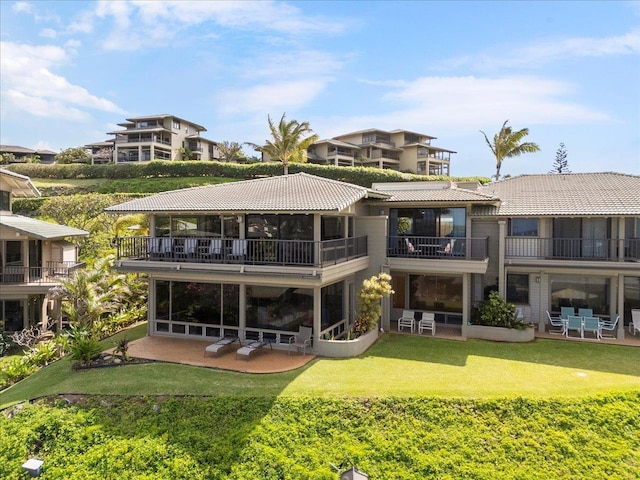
{"points": [[364, 176]]}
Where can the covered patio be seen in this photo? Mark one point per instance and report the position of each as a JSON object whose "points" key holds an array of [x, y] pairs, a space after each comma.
{"points": [[191, 352]]}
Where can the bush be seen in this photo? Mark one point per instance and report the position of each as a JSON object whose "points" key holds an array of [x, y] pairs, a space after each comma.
{"points": [[16, 369], [5, 343], [496, 312], [83, 346]]}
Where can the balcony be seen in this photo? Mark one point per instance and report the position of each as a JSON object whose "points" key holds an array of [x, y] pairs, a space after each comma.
{"points": [[576, 249], [18, 274], [208, 250], [445, 248]]}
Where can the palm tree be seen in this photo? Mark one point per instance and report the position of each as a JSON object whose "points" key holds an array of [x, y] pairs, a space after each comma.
{"points": [[288, 142], [506, 144]]}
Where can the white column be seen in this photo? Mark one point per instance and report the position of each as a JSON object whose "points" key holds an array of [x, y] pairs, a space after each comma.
{"points": [[502, 281]]}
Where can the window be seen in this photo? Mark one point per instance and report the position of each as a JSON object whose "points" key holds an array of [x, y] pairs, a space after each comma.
{"points": [[176, 125], [332, 304], [13, 253], [518, 288], [580, 292], [332, 228], [421, 168], [523, 227], [279, 308], [440, 293], [428, 222], [5, 200]]}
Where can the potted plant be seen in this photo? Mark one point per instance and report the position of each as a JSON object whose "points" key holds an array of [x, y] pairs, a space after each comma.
{"points": [[496, 319]]}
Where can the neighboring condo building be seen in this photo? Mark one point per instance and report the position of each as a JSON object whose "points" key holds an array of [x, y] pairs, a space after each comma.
{"points": [[19, 154], [396, 149], [261, 258], [34, 256], [159, 137]]}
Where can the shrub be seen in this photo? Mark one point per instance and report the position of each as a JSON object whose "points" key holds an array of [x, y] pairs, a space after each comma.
{"points": [[496, 312], [369, 298], [43, 353], [5, 343], [16, 369], [83, 346]]}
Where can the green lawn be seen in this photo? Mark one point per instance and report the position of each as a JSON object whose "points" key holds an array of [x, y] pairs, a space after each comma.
{"points": [[397, 365]]}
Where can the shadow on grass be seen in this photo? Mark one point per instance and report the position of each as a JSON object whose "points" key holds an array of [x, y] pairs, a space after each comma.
{"points": [[589, 356]]}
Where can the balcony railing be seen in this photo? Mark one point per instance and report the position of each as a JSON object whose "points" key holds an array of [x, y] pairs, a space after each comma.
{"points": [[572, 248], [302, 253], [457, 248], [17, 274]]}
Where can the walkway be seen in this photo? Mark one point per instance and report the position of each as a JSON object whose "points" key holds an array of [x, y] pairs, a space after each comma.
{"points": [[191, 352]]}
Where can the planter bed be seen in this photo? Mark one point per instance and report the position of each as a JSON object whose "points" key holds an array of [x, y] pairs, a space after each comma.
{"points": [[500, 334]]}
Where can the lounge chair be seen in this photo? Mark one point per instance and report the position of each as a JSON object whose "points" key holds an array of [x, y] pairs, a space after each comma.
{"points": [[407, 320], [221, 345], [301, 340], [427, 322], [556, 322], [249, 349]]}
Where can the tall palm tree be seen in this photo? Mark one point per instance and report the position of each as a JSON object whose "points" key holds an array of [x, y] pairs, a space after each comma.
{"points": [[288, 142], [507, 144]]}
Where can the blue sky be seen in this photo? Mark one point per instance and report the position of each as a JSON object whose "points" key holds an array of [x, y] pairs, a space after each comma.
{"points": [[568, 71]]}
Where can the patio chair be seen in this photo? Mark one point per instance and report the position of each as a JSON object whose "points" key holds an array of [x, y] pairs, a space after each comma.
{"points": [[592, 324], [301, 340], [407, 320], [167, 246], [556, 322], [585, 312], [574, 323], [566, 311], [239, 248], [154, 245], [608, 326], [427, 322], [634, 325], [215, 247], [190, 247], [410, 247]]}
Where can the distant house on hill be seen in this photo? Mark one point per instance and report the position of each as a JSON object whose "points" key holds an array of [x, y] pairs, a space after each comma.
{"points": [[155, 137], [17, 154]]}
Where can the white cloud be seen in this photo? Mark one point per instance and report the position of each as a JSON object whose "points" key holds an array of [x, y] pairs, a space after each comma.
{"points": [[271, 99], [540, 53], [48, 33], [29, 85], [463, 104], [139, 24], [22, 7]]}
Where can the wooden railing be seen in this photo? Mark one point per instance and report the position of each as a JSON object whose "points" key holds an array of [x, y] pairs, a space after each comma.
{"points": [[242, 251]]}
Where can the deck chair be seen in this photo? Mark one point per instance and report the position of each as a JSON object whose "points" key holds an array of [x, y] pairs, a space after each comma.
{"points": [[238, 248], [634, 325], [574, 323], [427, 322], [608, 326], [591, 324], [167, 247], [215, 247], [407, 320], [585, 312], [566, 311], [190, 247], [556, 322], [301, 340]]}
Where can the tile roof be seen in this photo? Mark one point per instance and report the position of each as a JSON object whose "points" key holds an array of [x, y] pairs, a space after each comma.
{"points": [[452, 194], [296, 192], [39, 229], [592, 194]]}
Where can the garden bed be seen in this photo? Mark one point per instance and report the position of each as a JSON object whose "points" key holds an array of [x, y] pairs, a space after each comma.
{"points": [[345, 348], [106, 360], [500, 334]]}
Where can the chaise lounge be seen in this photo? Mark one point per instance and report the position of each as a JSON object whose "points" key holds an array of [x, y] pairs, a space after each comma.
{"points": [[220, 346]]}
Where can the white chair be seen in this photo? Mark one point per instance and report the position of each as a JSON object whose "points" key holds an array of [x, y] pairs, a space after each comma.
{"points": [[190, 247], [239, 247], [427, 322], [215, 247], [609, 326], [634, 325], [556, 322], [407, 320], [301, 340], [592, 324]]}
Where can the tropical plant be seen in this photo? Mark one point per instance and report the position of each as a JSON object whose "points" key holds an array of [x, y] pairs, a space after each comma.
{"points": [[507, 143], [73, 155], [561, 165], [369, 309], [288, 143], [83, 346], [496, 312], [122, 348], [230, 151]]}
